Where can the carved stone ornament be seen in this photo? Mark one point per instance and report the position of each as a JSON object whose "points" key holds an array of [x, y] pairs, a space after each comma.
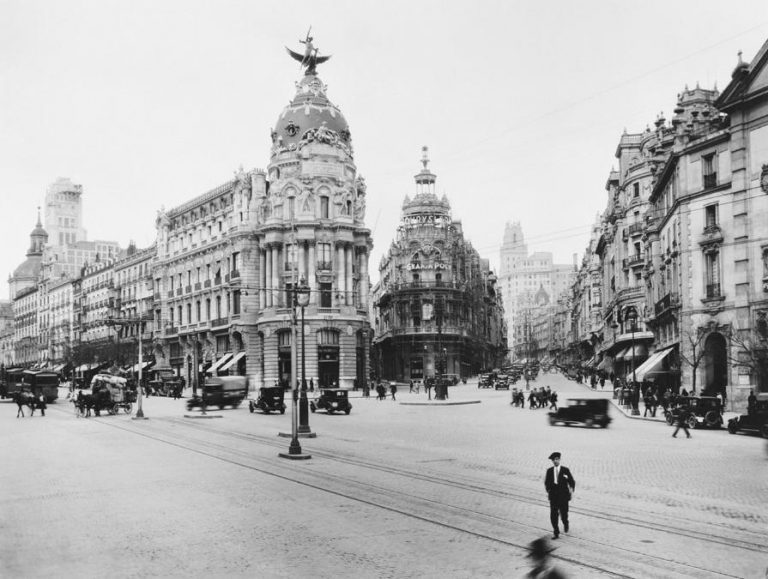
{"points": [[764, 178]]}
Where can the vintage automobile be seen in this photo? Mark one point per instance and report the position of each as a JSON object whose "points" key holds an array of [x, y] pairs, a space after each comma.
{"points": [[755, 420], [453, 379], [587, 411], [163, 382], [502, 382], [269, 400], [220, 391], [332, 400], [486, 381], [704, 411]]}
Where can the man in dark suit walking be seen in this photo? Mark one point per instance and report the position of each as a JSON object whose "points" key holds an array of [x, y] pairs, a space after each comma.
{"points": [[560, 485]]}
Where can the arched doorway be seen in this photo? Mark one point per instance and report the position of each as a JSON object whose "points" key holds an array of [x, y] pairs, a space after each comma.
{"points": [[715, 363], [328, 357]]}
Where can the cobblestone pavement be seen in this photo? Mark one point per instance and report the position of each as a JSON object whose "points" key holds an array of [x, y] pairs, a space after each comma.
{"points": [[392, 490]]}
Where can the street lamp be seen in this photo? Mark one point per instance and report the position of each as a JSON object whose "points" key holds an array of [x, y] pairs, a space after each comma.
{"points": [[631, 317], [301, 298], [294, 449]]}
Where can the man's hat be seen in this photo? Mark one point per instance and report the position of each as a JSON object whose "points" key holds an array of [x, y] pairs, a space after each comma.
{"points": [[554, 455], [539, 548]]}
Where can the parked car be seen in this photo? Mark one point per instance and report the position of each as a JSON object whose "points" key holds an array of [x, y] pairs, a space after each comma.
{"points": [[755, 420], [587, 411], [502, 382], [453, 379], [704, 411], [331, 400], [485, 381], [269, 399], [220, 391], [163, 382]]}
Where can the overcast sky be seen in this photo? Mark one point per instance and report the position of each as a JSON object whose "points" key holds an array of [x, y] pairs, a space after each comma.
{"points": [[151, 103]]}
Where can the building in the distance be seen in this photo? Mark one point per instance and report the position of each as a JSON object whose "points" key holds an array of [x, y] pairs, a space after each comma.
{"points": [[522, 276], [436, 307]]}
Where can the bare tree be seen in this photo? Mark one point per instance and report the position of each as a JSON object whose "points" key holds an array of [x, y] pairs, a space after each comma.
{"points": [[694, 353], [751, 353]]}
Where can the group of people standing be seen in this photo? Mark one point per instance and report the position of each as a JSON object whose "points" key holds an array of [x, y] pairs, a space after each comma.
{"points": [[542, 397]]}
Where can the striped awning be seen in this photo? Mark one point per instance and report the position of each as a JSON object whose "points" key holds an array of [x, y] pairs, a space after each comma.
{"points": [[234, 360]]}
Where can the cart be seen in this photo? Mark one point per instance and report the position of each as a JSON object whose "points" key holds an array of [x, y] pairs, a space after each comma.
{"points": [[112, 393]]}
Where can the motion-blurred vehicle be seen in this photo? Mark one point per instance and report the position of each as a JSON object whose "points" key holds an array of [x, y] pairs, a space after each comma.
{"points": [[587, 411], [704, 411], [163, 382], [220, 391], [332, 400], [270, 399], [755, 420]]}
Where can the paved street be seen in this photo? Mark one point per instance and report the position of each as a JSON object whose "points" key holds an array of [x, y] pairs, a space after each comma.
{"points": [[392, 490]]}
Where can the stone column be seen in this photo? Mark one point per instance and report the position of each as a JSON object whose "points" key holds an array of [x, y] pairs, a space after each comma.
{"points": [[311, 279], [262, 278], [268, 276], [302, 257], [275, 276], [349, 298], [340, 285], [364, 279]]}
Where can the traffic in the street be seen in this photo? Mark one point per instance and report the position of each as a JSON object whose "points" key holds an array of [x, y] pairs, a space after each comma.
{"points": [[460, 479]]}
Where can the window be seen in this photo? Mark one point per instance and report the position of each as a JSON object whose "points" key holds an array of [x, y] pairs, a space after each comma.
{"points": [[189, 313], [178, 311], [326, 295], [323, 207], [208, 309], [712, 260], [236, 261], [710, 216], [197, 311], [218, 306], [291, 207], [328, 337], [284, 339], [636, 190], [324, 256], [708, 165], [236, 302]]}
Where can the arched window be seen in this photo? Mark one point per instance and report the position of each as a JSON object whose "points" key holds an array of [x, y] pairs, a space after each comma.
{"points": [[328, 337]]}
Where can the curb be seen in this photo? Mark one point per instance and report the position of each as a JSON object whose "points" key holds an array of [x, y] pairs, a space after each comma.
{"points": [[440, 403]]}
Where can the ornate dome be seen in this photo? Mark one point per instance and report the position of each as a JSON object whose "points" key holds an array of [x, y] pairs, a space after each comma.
{"points": [[310, 117]]}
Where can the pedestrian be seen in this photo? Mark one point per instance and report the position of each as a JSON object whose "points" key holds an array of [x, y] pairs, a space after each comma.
{"points": [[602, 382], [393, 389], [538, 552], [751, 402], [682, 422], [560, 485], [417, 386], [411, 385], [41, 404], [648, 401], [311, 385], [553, 401]]}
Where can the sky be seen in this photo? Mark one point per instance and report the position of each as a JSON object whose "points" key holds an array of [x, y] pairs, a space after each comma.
{"points": [[148, 104]]}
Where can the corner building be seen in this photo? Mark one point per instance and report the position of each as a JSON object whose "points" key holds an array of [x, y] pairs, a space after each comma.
{"points": [[436, 307], [228, 260]]}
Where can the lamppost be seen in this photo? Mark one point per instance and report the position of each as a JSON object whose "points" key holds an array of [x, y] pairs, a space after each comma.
{"points": [[301, 298], [120, 322], [294, 449], [631, 317]]}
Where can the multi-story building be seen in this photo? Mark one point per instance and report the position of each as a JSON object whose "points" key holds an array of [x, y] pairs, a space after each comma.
{"points": [[64, 213], [60, 323], [436, 307], [134, 302], [228, 261], [98, 337], [707, 231], [521, 276], [7, 330]]}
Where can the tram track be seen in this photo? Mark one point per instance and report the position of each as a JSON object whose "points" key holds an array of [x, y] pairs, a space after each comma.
{"points": [[598, 556]]}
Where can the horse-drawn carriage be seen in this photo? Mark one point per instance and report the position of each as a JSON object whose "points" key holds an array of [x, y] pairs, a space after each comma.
{"points": [[107, 392]]}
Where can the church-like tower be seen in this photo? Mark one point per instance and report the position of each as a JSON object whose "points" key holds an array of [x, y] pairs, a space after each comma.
{"points": [[28, 273], [310, 226]]}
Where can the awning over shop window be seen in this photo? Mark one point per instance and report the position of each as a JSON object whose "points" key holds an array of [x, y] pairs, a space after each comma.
{"points": [[620, 354], [135, 367], [218, 363], [234, 360], [652, 364], [640, 351]]}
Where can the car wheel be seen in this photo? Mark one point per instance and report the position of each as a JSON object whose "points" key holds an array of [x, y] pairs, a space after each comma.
{"points": [[347, 411], [764, 431], [250, 407], [692, 422], [589, 423], [552, 421], [733, 426], [669, 418], [266, 411], [282, 410], [712, 419], [221, 407]]}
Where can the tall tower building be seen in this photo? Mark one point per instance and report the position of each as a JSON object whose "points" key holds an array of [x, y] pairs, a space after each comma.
{"points": [[522, 276], [64, 213]]}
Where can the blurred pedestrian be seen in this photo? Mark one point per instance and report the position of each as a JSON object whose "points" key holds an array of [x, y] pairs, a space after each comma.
{"points": [[411, 385], [393, 389], [682, 422], [560, 484], [538, 552], [553, 401], [41, 404]]}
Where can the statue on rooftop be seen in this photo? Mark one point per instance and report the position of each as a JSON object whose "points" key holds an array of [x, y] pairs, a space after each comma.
{"points": [[310, 59]]}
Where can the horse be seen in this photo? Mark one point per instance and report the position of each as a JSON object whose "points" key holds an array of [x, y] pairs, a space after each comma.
{"points": [[84, 403], [24, 399]]}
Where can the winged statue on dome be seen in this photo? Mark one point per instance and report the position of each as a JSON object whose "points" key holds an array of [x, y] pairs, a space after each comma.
{"points": [[310, 59]]}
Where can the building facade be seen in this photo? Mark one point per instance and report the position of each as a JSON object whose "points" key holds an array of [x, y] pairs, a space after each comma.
{"points": [[436, 308]]}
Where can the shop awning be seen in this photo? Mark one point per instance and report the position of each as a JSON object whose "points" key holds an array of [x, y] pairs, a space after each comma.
{"points": [[218, 363], [640, 351], [234, 360], [652, 364], [606, 364], [135, 367]]}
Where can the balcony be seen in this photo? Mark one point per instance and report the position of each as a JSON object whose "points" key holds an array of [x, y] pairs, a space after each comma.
{"points": [[666, 303], [207, 283], [710, 181], [226, 277], [170, 293], [712, 235], [713, 291], [172, 331], [234, 274], [219, 322], [187, 289], [178, 291], [635, 229], [634, 260], [217, 280], [324, 265]]}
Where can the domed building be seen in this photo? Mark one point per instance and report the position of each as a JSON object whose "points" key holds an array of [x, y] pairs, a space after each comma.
{"points": [[28, 273], [436, 308], [229, 260]]}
